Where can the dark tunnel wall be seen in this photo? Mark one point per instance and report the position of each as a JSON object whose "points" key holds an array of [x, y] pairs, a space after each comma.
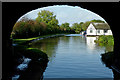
{"points": [[11, 12]]}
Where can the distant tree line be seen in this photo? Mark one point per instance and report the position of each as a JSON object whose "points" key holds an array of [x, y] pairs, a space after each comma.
{"points": [[78, 27], [46, 23]]}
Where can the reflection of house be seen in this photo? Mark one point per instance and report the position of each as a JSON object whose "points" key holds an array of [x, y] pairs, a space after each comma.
{"points": [[90, 42], [98, 29]]}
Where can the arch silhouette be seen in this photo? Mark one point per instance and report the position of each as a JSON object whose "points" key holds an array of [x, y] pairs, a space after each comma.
{"points": [[12, 11]]}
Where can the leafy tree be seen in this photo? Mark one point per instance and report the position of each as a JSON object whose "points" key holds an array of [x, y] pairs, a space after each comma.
{"points": [[46, 23], [30, 28], [65, 27], [49, 18], [18, 29], [77, 27], [81, 23], [85, 25]]}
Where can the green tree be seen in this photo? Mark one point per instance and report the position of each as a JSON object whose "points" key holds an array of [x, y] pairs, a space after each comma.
{"points": [[77, 27], [49, 19], [19, 29], [85, 25], [65, 27]]}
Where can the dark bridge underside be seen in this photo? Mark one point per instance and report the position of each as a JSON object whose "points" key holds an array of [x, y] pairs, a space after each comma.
{"points": [[11, 12]]}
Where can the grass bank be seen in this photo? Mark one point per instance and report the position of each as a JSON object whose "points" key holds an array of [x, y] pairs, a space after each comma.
{"points": [[38, 58], [22, 47], [28, 40]]}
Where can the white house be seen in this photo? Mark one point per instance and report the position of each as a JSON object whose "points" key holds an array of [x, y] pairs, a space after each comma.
{"points": [[95, 29]]}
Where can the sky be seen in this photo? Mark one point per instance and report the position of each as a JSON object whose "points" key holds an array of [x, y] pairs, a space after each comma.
{"points": [[65, 13]]}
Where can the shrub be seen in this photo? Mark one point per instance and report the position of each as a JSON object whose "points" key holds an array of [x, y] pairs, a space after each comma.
{"points": [[105, 40]]}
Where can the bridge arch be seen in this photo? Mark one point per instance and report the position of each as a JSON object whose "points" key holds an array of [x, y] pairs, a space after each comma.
{"points": [[17, 10]]}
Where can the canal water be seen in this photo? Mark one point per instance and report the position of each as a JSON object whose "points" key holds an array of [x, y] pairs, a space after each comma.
{"points": [[73, 56]]}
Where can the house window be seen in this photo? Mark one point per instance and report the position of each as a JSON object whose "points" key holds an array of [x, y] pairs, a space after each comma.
{"points": [[105, 31], [98, 31], [90, 31]]}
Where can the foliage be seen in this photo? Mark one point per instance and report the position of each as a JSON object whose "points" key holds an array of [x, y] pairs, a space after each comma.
{"points": [[77, 27], [50, 19], [46, 23], [82, 26], [29, 28], [105, 40], [32, 53], [65, 27], [85, 25]]}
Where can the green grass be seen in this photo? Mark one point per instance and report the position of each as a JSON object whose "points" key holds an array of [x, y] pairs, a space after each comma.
{"points": [[23, 49], [32, 53], [22, 41]]}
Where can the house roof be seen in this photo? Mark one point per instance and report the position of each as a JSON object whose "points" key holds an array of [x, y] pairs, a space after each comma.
{"points": [[101, 25]]}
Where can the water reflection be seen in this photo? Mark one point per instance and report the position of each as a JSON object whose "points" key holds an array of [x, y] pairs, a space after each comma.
{"points": [[70, 55], [48, 46], [90, 42]]}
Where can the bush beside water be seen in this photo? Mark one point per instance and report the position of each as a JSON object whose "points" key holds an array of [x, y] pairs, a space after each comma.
{"points": [[105, 40]]}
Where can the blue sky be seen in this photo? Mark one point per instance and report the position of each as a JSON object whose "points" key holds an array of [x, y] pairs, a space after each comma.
{"points": [[65, 13]]}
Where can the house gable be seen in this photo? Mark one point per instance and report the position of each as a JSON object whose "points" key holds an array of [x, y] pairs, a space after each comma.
{"points": [[91, 27], [91, 30]]}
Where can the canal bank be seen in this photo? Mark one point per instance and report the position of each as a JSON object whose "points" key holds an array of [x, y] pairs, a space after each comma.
{"points": [[77, 53], [28, 40], [25, 57]]}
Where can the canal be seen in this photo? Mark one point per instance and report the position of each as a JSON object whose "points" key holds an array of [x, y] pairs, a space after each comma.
{"points": [[73, 56]]}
